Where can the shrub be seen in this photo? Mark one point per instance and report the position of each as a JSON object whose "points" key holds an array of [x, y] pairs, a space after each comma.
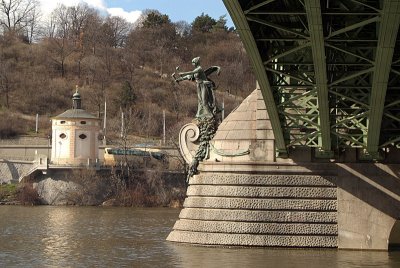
{"points": [[152, 188], [27, 195], [10, 126]]}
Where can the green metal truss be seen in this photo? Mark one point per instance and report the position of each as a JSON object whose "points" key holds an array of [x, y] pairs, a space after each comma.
{"points": [[329, 70]]}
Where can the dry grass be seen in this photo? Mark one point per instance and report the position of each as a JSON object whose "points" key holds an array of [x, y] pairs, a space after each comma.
{"points": [[10, 126]]}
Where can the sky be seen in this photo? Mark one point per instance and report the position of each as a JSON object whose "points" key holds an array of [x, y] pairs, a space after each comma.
{"points": [[177, 10]]}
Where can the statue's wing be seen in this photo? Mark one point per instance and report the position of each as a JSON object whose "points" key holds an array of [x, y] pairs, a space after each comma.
{"points": [[212, 69]]}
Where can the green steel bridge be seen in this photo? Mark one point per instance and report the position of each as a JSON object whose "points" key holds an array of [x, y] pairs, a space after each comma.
{"points": [[329, 71]]}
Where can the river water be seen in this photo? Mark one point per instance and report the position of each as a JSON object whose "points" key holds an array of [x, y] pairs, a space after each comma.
{"points": [[47, 236]]}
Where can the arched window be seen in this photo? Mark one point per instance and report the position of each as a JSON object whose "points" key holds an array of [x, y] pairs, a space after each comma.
{"points": [[62, 122], [82, 136], [83, 122]]}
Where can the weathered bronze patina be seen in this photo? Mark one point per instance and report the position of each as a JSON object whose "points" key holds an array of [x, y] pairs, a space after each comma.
{"points": [[207, 108]]}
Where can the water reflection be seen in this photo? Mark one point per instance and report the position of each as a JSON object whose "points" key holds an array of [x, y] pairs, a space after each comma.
{"points": [[197, 256], [251, 257], [127, 237], [57, 242]]}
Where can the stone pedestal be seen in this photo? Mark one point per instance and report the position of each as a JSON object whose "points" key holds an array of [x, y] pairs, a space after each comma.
{"points": [[244, 209], [244, 196]]}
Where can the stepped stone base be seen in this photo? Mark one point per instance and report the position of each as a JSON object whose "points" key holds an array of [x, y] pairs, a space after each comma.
{"points": [[244, 197], [226, 239], [259, 210]]}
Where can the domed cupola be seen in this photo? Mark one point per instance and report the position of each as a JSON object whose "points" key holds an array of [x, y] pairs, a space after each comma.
{"points": [[76, 100]]}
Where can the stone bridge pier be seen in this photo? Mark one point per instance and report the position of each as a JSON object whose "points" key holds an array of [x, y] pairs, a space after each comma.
{"points": [[244, 196]]}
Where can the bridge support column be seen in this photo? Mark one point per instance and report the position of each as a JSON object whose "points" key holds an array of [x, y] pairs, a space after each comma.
{"points": [[244, 196]]}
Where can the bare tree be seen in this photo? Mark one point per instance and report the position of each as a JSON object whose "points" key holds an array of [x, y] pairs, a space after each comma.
{"points": [[183, 28], [60, 49], [32, 29], [16, 15], [79, 17], [92, 33], [116, 30], [61, 45], [6, 79], [143, 17], [49, 27]]}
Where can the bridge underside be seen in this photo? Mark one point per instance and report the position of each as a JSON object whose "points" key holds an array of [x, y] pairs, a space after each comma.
{"points": [[329, 71]]}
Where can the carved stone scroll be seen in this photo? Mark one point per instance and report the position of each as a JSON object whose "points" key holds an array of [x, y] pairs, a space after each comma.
{"points": [[188, 137]]}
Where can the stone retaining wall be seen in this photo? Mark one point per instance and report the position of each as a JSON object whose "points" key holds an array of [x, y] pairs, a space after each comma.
{"points": [[10, 171]]}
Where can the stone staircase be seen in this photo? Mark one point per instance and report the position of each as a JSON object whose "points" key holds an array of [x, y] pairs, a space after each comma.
{"points": [[280, 210]]}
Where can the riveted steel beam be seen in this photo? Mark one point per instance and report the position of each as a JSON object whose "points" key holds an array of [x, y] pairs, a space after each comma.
{"points": [[315, 26], [349, 52], [305, 82], [287, 52], [365, 4], [276, 26], [354, 26], [243, 28], [256, 6], [348, 77], [388, 30]]}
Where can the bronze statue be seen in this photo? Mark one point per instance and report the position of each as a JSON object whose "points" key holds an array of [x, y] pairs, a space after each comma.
{"points": [[207, 109], [207, 105]]}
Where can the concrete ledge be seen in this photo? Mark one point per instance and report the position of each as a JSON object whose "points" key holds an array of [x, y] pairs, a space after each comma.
{"points": [[260, 204], [256, 227], [257, 191], [258, 215], [252, 240], [321, 169], [253, 179]]}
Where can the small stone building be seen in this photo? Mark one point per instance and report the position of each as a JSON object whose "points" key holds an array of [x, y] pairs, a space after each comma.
{"points": [[75, 136]]}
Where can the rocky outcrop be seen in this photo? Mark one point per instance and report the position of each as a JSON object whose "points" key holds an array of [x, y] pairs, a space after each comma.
{"points": [[57, 192]]}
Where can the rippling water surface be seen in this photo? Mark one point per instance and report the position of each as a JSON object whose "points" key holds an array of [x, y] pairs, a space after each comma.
{"points": [[48, 236]]}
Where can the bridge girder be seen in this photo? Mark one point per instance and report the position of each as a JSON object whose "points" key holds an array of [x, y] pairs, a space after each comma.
{"points": [[328, 69], [313, 11], [252, 50], [388, 30]]}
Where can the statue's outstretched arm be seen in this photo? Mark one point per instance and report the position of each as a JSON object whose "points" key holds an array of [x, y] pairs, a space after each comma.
{"points": [[196, 70], [185, 77]]}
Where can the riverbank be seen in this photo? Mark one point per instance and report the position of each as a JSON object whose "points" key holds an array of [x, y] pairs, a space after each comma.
{"points": [[146, 188], [9, 194]]}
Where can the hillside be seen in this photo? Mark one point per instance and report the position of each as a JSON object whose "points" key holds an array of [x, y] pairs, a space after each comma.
{"points": [[127, 67]]}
